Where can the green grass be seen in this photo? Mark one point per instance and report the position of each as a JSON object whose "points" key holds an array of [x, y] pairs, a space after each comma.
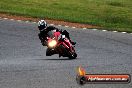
{"points": [[110, 14]]}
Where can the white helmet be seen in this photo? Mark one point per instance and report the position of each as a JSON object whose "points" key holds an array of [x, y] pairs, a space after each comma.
{"points": [[42, 24]]}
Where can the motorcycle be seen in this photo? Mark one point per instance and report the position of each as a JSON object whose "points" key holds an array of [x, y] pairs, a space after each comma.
{"points": [[60, 44]]}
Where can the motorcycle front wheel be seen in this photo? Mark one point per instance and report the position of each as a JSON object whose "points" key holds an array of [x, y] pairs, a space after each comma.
{"points": [[48, 52]]}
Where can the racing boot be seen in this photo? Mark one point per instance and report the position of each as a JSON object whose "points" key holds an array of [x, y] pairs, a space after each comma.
{"points": [[73, 43]]}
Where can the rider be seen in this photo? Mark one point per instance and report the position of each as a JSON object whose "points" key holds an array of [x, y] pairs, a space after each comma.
{"points": [[44, 29]]}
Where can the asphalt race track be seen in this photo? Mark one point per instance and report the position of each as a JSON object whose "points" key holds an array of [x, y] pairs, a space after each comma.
{"points": [[23, 63]]}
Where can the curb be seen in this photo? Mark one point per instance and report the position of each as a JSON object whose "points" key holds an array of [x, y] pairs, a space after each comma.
{"points": [[65, 26]]}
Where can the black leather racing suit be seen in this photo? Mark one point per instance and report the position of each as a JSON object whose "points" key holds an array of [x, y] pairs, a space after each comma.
{"points": [[44, 33]]}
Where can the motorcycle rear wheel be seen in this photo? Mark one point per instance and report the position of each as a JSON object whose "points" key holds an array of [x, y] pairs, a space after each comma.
{"points": [[73, 56]]}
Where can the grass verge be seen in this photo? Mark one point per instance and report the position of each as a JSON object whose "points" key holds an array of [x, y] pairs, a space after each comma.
{"points": [[110, 14]]}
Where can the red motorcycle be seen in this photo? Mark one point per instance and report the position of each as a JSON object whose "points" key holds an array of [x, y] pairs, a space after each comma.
{"points": [[60, 44]]}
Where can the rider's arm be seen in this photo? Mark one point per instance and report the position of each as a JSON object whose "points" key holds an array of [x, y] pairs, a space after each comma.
{"points": [[50, 28]]}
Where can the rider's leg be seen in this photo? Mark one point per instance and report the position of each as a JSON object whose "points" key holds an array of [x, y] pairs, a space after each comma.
{"points": [[67, 35]]}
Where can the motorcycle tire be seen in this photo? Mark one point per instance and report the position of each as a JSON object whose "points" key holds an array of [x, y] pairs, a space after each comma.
{"points": [[73, 56], [48, 52]]}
